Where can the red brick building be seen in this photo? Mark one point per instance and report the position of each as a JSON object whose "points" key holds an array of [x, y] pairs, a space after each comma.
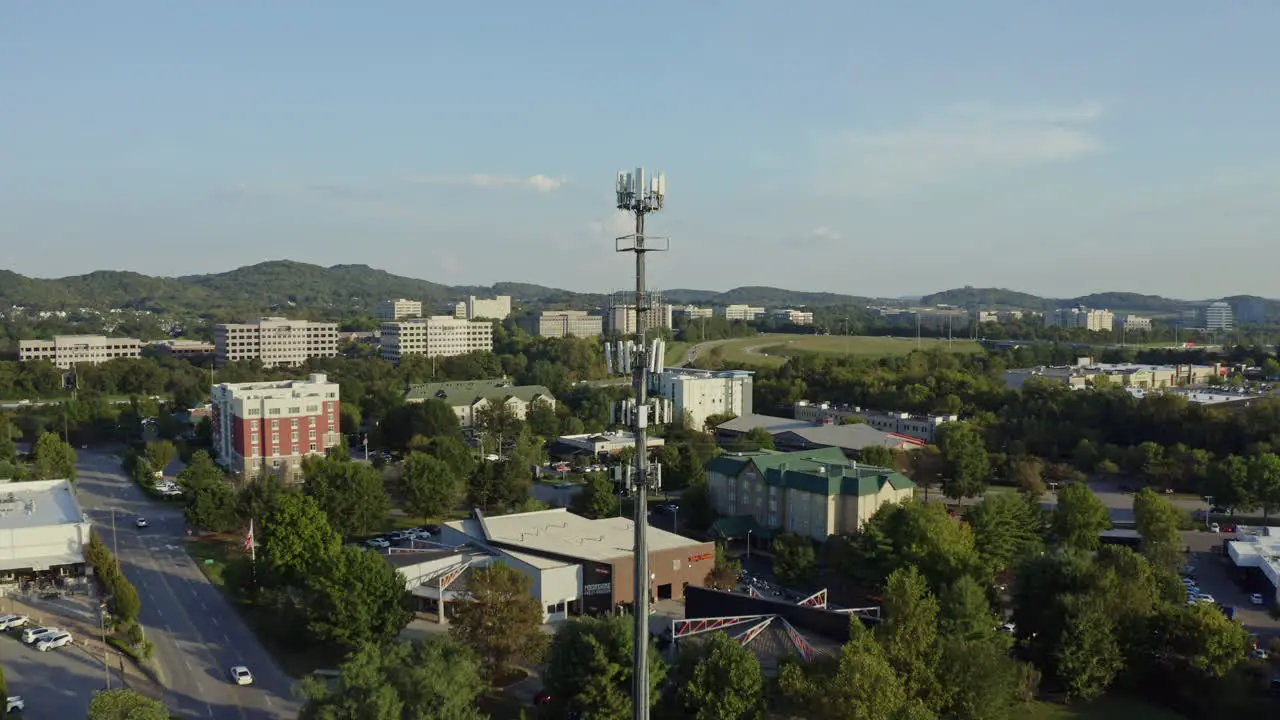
{"points": [[271, 426]]}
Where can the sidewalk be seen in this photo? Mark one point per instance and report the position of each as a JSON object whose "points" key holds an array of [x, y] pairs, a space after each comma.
{"points": [[73, 614]]}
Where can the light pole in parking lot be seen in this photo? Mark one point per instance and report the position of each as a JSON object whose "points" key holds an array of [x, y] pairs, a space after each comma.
{"points": [[102, 623], [1208, 509]]}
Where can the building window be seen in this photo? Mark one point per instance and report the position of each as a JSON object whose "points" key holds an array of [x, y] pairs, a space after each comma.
{"points": [[330, 419], [275, 438], [675, 564], [293, 437], [294, 422], [313, 447], [273, 411], [294, 410]]}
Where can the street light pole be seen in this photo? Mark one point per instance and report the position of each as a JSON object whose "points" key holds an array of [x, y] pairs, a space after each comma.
{"points": [[748, 544]]}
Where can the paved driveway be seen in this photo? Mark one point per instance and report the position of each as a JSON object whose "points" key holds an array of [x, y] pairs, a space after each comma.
{"points": [[196, 633], [56, 685]]}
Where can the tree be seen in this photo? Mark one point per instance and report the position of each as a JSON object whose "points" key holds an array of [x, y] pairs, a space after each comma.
{"points": [[429, 418], [125, 602], [922, 535], [865, 685], [211, 502], [357, 599], [297, 540], [794, 560], [1086, 456], [125, 704], [503, 621], [909, 633], [1027, 473], [922, 465], [429, 486], [434, 679], [589, 668], [964, 460], [351, 494], [964, 611], [1264, 482], [727, 570], [876, 455], [1006, 528], [725, 682], [1088, 657], [454, 453], [1228, 484], [597, 499], [54, 459], [160, 453], [257, 499], [1158, 522], [542, 421], [754, 439], [1079, 517]]}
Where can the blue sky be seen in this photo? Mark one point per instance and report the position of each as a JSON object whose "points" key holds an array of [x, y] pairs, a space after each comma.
{"points": [[856, 147]]}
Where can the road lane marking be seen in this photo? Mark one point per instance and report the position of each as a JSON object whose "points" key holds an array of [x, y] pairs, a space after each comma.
{"points": [[227, 638], [213, 618], [269, 703], [188, 664]]}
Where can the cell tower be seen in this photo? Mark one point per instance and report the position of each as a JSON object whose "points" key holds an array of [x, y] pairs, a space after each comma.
{"points": [[641, 194]]}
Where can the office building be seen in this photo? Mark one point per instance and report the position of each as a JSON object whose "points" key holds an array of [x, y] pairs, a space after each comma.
{"points": [[43, 531], [620, 314], [1136, 323], [1255, 552], [399, 309], [815, 493], [184, 349], [795, 317], [474, 308], [694, 312], [65, 351], [271, 426], [274, 341], [435, 336], [470, 398], [563, 323], [599, 556], [997, 316], [739, 312], [1086, 373], [699, 394], [1210, 316], [1080, 317], [921, 427]]}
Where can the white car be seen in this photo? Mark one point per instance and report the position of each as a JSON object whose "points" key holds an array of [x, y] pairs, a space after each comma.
{"points": [[141, 522], [1205, 598], [1009, 628], [16, 703], [240, 675], [30, 635], [50, 642], [1254, 599], [8, 622], [378, 543], [1214, 527]]}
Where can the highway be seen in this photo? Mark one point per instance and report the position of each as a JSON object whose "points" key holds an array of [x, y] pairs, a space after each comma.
{"points": [[196, 632]]}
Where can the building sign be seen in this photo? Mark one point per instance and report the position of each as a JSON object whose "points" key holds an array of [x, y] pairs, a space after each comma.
{"points": [[597, 589], [700, 558]]}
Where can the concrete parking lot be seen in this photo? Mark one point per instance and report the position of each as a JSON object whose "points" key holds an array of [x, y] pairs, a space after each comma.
{"points": [[58, 684], [1213, 575]]}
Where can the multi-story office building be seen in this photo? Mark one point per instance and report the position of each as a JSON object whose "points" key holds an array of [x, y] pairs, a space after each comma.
{"points": [[435, 336], [274, 341], [67, 350], [399, 309], [185, 349], [271, 426], [1086, 373], [563, 323], [474, 308], [739, 312], [997, 316], [1081, 317], [921, 427], [1136, 323], [693, 312], [795, 317], [816, 493], [620, 314], [699, 394], [1212, 316]]}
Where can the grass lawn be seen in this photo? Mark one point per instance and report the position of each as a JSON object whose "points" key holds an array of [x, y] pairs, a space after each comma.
{"points": [[1107, 708], [773, 349], [676, 350]]}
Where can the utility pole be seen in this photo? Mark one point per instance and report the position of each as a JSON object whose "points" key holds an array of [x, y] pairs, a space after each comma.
{"points": [[638, 197], [115, 538]]}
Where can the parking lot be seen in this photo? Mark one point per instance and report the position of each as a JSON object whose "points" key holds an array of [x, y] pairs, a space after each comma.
{"points": [[1213, 575], [56, 684]]}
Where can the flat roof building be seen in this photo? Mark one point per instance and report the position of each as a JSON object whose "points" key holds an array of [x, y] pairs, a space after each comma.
{"points": [[271, 426], [65, 351], [469, 398], [794, 434], [42, 529], [435, 336], [921, 427], [274, 341], [1259, 549], [184, 349], [399, 309], [1081, 317], [474, 308], [610, 443], [563, 323], [1085, 373], [698, 394], [739, 312]]}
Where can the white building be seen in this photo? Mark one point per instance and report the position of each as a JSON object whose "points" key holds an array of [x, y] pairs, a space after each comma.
{"points": [[693, 312], [1136, 323], [795, 317], [620, 319], [1259, 548], [67, 350], [740, 312], [698, 394], [920, 427], [474, 308], [435, 336], [399, 309], [1208, 316], [42, 530], [272, 426], [274, 341], [1081, 317], [563, 323], [611, 443]]}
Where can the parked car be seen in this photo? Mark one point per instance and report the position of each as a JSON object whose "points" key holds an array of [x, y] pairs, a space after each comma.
{"points": [[16, 704], [141, 522], [30, 635], [240, 675], [53, 641], [8, 622], [1254, 599]]}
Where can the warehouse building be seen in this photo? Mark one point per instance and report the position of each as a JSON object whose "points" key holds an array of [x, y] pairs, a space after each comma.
{"points": [[43, 532], [583, 566]]}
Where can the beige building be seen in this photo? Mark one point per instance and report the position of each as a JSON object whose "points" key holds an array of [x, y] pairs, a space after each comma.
{"points": [[1081, 317], [1135, 323], [435, 336], [1087, 373], [471, 397], [920, 427], [621, 319], [67, 350], [474, 308], [739, 312], [563, 323], [186, 349], [693, 312], [274, 341], [399, 309], [795, 317], [815, 493]]}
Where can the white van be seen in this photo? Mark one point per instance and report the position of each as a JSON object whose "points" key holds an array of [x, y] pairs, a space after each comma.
{"points": [[31, 635], [56, 640]]}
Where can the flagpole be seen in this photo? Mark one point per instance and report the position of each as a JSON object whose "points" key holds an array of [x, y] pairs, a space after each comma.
{"points": [[253, 553]]}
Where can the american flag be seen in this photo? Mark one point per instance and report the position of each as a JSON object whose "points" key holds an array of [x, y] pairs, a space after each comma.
{"points": [[248, 539]]}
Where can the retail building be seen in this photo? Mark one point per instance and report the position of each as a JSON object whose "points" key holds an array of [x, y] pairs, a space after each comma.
{"points": [[43, 531]]}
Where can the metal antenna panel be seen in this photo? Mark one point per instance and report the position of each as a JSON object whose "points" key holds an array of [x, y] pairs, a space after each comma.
{"points": [[627, 243]]}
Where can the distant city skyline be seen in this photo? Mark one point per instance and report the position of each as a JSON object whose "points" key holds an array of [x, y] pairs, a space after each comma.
{"points": [[818, 146]]}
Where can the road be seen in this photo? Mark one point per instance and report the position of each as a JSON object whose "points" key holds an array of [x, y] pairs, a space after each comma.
{"points": [[196, 632]]}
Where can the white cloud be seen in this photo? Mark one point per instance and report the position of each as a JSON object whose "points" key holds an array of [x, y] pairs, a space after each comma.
{"points": [[538, 182], [615, 225], [822, 232], [958, 143]]}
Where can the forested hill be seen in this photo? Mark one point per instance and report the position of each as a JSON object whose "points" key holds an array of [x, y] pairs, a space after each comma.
{"points": [[973, 298]]}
